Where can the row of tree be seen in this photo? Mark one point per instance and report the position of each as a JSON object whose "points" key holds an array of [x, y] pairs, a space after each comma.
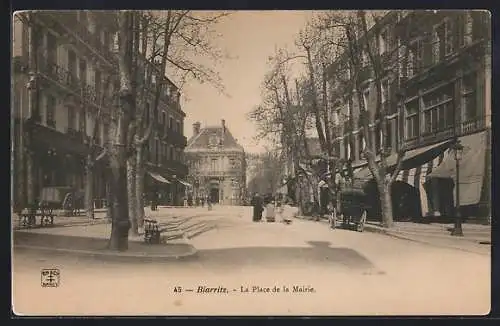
{"points": [[148, 45], [333, 51]]}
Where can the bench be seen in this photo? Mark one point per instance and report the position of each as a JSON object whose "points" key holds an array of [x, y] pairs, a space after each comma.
{"points": [[152, 231], [28, 216]]}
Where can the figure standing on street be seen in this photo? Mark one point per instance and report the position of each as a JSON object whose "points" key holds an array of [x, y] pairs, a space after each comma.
{"points": [[209, 204], [257, 204]]}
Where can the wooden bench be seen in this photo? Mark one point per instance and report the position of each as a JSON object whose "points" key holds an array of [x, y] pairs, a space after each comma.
{"points": [[28, 216], [152, 231]]}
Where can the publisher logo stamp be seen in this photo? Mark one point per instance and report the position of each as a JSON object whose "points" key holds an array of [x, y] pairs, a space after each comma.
{"points": [[50, 277]]}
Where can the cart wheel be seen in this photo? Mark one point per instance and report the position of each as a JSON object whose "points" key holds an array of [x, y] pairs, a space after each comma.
{"points": [[361, 224]]}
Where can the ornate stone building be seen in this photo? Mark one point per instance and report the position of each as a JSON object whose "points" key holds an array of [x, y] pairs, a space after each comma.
{"points": [[217, 165], [62, 63]]}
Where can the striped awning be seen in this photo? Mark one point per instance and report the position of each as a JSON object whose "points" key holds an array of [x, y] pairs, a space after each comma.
{"points": [[158, 177], [472, 168], [185, 183]]}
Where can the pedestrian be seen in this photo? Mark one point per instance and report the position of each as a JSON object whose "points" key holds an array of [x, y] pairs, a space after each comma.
{"points": [[209, 203], [202, 201], [287, 210], [257, 204], [270, 210]]}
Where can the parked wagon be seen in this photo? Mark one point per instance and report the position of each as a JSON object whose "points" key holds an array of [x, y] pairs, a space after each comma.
{"points": [[351, 209], [66, 198]]}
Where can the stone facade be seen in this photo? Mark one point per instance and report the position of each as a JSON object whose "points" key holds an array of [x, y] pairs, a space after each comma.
{"points": [[217, 165]]}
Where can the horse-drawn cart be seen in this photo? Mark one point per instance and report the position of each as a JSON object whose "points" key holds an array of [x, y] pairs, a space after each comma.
{"points": [[66, 198], [351, 209]]}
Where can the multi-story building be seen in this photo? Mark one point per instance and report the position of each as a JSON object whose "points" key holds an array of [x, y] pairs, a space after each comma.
{"points": [[217, 164], [64, 72], [436, 88]]}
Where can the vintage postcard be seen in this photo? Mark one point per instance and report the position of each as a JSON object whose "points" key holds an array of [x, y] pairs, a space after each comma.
{"points": [[256, 163]]}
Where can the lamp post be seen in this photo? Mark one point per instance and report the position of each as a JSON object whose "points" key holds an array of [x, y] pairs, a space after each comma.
{"points": [[457, 149]]}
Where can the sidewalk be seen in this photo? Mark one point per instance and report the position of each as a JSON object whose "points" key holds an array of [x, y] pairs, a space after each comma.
{"points": [[477, 238], [76, 235]]}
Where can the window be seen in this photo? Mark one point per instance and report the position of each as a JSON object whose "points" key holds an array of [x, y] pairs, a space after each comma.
{"points": [[435, 47], [348, 107], [72, 63], [388, 134], [232, 162], [163, 120], [105, 133], [448, 28], [81, 121], [361, 144], [98, 84], [171, 123], [469, 85], [378, 138], [51, 111], [417, 55], [346, 147], [97, 133], [147, 113], [383, 41], [213, 165], [365, 60], [83, 71], [438, 110], [71, 117], [178, 126], [385, 91], [412, 125], [157, 151], [51, 49]]}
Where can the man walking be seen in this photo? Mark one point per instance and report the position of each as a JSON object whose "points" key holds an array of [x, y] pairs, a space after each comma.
{"points": [[257, 204]]}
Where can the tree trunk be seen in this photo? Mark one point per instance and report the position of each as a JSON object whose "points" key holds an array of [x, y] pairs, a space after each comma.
{"points": [[139, 187], [131, 193], [386, 204], [109, 207], [120, 223], [89, 188]]}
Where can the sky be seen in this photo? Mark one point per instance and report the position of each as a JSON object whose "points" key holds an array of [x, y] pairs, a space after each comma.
{"points": [[250, 37]]}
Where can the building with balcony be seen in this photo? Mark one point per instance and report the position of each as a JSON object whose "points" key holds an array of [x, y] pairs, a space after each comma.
{"points": [[436, 87], [64, 73], [165, 166], [217, 165]]}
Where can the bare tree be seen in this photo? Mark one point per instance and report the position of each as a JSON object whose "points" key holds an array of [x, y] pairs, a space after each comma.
{"points": [[360, 48], [119, 130], [171, 41], [93, 117]]}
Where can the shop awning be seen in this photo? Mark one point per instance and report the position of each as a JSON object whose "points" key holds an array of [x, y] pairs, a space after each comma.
{"points": [[158, 177], [187, 184], [472, 168], [433, 155]]}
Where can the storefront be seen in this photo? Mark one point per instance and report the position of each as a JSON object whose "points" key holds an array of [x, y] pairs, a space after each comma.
{"points": [[474, 182], [409, 196]]}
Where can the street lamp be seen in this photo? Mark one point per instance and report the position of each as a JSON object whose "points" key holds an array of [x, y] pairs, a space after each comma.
{"points": [[457, 149]]}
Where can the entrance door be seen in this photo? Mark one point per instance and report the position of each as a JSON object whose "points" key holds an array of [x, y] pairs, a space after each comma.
{"points": [[214, 195]]}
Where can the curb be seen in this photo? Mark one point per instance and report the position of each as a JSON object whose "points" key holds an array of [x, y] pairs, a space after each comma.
{"points": [[372, 229], [113, 255]]}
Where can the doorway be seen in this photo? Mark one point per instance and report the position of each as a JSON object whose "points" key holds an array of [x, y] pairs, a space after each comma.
{"points": [[214, 195]]}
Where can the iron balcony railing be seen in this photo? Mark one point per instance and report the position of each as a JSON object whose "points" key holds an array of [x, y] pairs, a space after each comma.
{"points": [[68, 21], [441, 134], [70, 81]]}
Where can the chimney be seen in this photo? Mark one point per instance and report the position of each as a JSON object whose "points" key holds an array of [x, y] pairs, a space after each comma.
{"points": [[196, 128], [223, 124]]}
